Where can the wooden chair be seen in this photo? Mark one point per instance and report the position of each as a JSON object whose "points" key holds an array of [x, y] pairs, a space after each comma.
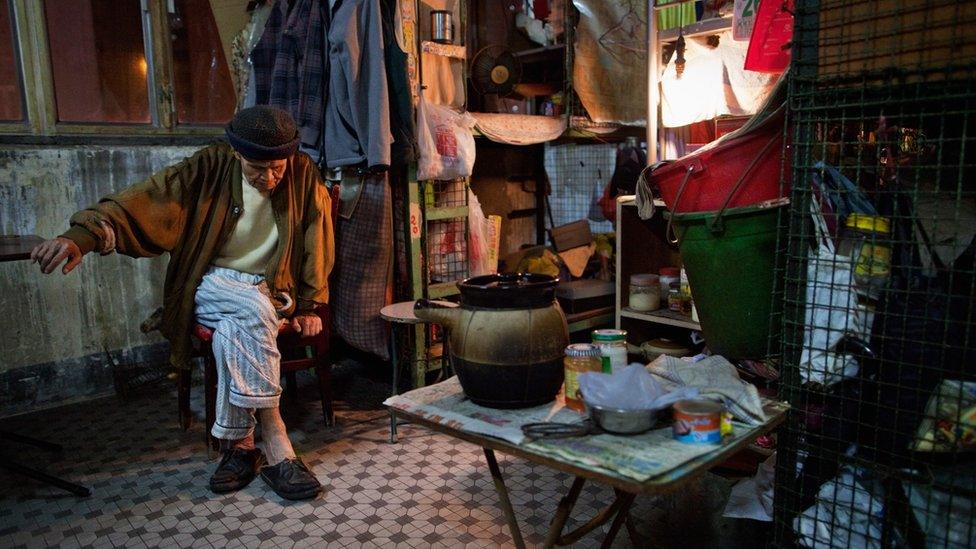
{"points": [[290, 343]]}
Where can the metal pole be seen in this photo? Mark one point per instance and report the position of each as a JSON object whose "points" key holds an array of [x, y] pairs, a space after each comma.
{"points": [[396, 371], [653, 87]]}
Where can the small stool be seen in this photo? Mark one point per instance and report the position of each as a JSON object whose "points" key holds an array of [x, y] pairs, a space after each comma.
{"points": [[399, 314]]}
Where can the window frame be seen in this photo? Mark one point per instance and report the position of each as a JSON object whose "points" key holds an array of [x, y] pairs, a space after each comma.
{"points": [[37, 81]]}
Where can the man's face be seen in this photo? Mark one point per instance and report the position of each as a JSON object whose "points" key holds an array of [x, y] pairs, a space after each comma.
{"points": [[263, 175]]}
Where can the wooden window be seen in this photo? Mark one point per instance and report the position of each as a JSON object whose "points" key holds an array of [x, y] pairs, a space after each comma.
{"points": [[98, 60], [201, 77], [114, 68], [11, 85]]}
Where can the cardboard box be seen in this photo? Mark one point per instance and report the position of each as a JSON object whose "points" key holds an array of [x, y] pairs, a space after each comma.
{"points": [[571, 235], [584, 295]]}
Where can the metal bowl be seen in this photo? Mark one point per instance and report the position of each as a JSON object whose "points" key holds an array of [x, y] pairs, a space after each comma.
{"points": [[623, 422]]}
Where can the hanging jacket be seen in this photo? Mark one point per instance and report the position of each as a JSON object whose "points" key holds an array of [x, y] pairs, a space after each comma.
{"points": [[189, 209], [290, 65], [404, 147], [357, 106]]}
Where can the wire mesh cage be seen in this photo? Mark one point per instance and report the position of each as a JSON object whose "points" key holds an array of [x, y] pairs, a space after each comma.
{"points": [[447, 230], [578, 175], [879, 338]]}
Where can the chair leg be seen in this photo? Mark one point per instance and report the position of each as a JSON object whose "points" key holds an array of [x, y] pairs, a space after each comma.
{"points": [[183, 397], [210, 383], [324, 372], [291, 386]]}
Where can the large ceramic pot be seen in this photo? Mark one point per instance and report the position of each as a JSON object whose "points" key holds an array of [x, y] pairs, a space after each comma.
{"points": [[507, 339]]}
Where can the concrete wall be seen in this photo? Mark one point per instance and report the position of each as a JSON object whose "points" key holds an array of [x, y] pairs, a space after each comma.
{"points": [[57, 332]]}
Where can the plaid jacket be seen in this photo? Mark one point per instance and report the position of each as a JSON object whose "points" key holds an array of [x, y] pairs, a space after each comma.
{"points": [[291, 65]]}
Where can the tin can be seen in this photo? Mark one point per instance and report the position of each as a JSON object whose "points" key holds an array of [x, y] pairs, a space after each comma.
{"points": [[613, 348], [698, 421], [442, 26]]}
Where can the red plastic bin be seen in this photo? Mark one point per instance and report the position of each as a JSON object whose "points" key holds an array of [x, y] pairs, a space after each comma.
{"points": [[745, 164]]}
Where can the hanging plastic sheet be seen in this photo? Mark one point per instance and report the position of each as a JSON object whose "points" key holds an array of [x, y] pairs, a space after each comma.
{"points": [[712, 83], [769, 47], [610, 69]]}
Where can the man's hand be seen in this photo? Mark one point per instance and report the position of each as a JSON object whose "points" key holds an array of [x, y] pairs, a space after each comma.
{"points": [[309, 325], [50, 253]]}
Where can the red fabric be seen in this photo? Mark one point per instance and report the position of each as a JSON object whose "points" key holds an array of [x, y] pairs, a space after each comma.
{"points": [[608, 205], [769, 45], [541, 9]]}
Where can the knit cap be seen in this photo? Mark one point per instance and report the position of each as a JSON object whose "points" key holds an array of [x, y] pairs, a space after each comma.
{"points": [[263, 132]]}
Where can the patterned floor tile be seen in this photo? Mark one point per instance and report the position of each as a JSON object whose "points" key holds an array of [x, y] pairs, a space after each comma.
{"points": [[150, 482]]}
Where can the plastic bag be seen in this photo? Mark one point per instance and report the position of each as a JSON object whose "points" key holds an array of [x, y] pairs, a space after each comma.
{"points": [[629, 388], [479, 239], [752, 498], [949, 424], [846, 514], [831, 310], [445, 142]]}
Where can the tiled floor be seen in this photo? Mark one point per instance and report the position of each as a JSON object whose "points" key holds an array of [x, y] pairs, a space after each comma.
{"points": [[150, 485]]}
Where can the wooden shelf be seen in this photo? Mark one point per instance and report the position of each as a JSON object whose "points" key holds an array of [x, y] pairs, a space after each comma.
{"points": [[707, 26], [631, 200], [541, 53], [445, 50], [662, 316]]}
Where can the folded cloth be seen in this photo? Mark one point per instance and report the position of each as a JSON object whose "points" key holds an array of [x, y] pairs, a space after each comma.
{"points": [[716, 379]]}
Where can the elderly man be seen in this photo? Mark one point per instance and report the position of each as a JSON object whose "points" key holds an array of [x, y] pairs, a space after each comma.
{"points": [[249, 234]]}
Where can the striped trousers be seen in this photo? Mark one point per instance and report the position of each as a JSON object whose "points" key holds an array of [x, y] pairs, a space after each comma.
{"points": [[237, 307]]}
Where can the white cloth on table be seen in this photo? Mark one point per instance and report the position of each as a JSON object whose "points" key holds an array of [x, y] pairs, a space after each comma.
{"points": [[238, 308], [716, 379]]}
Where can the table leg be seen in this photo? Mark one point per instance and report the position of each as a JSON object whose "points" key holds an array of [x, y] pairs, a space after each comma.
{"points": [[622, 516], [396, 371], [506, 503], [562, 512]]}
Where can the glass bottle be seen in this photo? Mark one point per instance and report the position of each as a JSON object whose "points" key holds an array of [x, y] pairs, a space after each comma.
{"points": [[580, 357]]}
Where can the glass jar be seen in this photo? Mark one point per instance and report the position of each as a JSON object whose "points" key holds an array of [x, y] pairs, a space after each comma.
{"points": [[866, 239], [613, 348], [645, 292], [668, 275], [686, 303], [580, 357]]}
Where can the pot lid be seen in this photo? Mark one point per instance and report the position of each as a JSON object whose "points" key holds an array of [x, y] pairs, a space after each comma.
{"points": [[509, 291]]}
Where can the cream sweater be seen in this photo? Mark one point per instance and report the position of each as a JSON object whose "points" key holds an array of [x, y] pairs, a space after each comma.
{"points": [[249, 248]]}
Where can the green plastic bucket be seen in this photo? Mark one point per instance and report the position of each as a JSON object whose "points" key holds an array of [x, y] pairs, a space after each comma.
{"points": [[730, 258]]}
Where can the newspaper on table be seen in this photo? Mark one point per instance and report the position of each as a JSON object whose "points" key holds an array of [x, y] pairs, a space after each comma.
{"points": [[445, 403], [640, 457]]}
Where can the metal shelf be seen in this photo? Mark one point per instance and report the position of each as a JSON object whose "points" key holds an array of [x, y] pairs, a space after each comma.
{"points": [[662, 316]]}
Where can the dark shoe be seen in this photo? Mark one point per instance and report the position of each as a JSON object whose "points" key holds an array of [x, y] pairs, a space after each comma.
{"points": [[236, 469], [291, 479]]}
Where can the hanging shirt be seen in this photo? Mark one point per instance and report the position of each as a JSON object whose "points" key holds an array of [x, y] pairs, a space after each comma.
{"points": [[357, 105], [249, 248], [290, 65]]}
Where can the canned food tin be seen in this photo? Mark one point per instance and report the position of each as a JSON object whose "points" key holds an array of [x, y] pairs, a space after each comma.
{"points": [[698, 421]]}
